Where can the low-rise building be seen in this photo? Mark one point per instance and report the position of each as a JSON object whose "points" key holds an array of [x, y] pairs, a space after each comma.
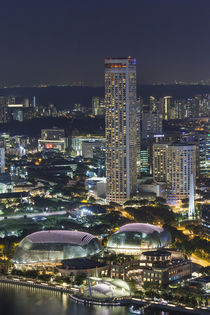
{"points": [[159, 266]]}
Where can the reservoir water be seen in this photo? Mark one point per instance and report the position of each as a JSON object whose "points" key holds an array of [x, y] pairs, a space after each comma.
{"points": [[16, 300]]}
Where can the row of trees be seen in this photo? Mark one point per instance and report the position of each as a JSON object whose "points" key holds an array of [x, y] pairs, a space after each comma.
{"points": [[184, 243], [153, 214], [190, 296], [77, 279]]}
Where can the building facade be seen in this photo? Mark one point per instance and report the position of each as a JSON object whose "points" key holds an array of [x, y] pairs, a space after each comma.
{"points": [[53, 139], [2, 160], [181, 167], [160, 161], [120, 102], [152, 123], [98, 106], [204, 154]]}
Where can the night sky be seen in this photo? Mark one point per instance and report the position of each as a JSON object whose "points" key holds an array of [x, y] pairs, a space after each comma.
{"points": [[67, 40]]}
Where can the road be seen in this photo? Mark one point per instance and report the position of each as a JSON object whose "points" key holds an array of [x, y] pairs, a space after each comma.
{"points": [[199, 261], [32, 215]]}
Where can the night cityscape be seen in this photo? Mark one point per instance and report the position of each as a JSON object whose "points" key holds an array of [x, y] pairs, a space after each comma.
{"points": [[105, 157]]}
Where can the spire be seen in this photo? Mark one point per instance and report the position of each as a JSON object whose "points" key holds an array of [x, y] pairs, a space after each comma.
{"points": [[191, 211]]}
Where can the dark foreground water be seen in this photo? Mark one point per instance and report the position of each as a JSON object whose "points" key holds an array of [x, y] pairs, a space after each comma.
{"points": [[16, 300]]}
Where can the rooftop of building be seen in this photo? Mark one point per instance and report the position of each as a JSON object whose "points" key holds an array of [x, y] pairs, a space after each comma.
{"points": [[205, 279], [61, 236], [120, 58], [156, 253], [80, 263], [140, 227]]}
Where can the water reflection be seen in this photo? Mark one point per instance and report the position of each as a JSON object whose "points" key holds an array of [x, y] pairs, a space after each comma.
{"points": [[15, 300]]}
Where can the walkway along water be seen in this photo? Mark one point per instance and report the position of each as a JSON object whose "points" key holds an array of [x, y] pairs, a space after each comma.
{"points": [[117, 302]]}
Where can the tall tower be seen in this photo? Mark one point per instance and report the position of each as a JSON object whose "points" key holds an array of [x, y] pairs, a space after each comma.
{"points": [[2, 160], [166, 106], [191, 197], [120, 102], [160, 153], [181, 168]]}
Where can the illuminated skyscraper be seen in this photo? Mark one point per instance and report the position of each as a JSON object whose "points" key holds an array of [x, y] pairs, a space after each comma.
{"points": [[160, 152], [204, 154], [175, 164], [181, 168], [191, 211], [2, 160], [152, 123], [120, 102], [166, 106]]}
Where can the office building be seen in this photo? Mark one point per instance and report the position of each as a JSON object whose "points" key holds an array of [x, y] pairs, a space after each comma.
{"points": [[166, 103], [204, 156], [138, 135], [205, 218], [88, 148], [152, 123], [120, 102], [77, 142], [2, 160], [53, 139], [144, 158], [4, 101], [160, 161]]}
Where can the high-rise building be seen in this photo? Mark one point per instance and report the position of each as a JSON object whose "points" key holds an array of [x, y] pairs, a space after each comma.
{"points": [[166, 106], [120, 102], [144, 158], [204, 156], [152, 123], [175, 164], [2, 160], [4, 102], [98, 106], [138, 135], [181, 167], [160, 151]]}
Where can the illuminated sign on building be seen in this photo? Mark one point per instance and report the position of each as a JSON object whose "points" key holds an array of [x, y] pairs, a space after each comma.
{"points": [[49, 145]]}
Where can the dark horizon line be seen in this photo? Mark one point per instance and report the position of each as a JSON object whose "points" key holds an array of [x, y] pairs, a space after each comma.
{"points": [[46, 85]]}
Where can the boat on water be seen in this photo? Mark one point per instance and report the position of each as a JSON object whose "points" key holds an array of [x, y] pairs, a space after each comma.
{"points": [[135, 310]]}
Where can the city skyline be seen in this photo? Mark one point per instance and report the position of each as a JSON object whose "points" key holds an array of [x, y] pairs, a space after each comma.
{"points": [[64, 42]]}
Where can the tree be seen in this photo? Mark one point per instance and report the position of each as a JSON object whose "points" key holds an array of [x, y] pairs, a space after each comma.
{"points": [[160, 200], [80, 277]]}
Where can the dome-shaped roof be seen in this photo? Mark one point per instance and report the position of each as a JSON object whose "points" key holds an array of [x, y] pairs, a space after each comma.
{"points": [[132, 238], [140, 227], [61, 236], [56, 245]]}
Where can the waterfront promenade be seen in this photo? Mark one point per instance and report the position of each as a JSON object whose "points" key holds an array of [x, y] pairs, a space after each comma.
{"points": [[115, 302]]}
